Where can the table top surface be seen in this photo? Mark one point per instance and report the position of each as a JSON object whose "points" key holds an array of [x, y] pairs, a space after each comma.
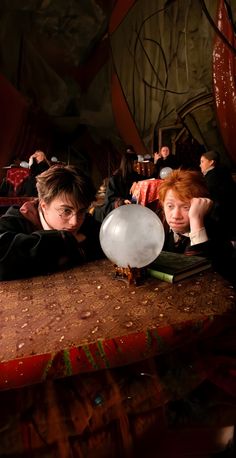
{"points": [[90, 320]]}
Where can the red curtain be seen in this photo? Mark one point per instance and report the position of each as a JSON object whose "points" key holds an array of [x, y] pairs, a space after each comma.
{"points": [[224, 83], [13, 114]]}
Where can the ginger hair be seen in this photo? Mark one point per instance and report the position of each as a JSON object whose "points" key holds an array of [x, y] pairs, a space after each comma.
{"points": [[185, 184]]}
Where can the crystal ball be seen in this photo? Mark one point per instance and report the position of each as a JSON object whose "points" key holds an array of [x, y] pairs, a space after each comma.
{"points": [[165, 172], [132, 236]]}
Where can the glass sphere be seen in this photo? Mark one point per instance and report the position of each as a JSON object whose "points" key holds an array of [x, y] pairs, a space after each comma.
{"points": [[54, 159], [24, 164], [132, 236], [165, 172]]}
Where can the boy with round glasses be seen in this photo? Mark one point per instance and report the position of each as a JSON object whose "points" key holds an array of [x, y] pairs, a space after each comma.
{"points": [[51, 232]]}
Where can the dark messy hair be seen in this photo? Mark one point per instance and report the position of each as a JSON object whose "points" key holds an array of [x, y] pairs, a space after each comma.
{"points": [[68, 179], [126, 164]]}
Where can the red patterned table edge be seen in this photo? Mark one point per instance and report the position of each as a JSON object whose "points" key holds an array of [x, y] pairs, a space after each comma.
{"points": [[106, 353]]}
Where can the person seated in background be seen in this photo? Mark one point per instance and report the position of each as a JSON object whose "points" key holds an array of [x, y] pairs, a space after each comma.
{"points": [[130, 149], [163, 159], [190, 224], [222, 189], [118, 191], [52, 232], [38, 163]]}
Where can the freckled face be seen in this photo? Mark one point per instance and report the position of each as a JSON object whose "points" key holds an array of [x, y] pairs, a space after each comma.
{"points": [[176, 212]]}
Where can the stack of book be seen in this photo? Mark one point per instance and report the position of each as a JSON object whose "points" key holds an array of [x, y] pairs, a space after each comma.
{"points": [[172, 267]]}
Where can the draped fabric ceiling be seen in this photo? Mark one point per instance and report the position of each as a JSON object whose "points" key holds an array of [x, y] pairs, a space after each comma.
{"points": [[97, 74]]}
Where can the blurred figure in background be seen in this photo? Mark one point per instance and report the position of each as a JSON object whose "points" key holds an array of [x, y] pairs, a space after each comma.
{"points": [[222, 189], [164, 159], [118, 191], [38, 163]]}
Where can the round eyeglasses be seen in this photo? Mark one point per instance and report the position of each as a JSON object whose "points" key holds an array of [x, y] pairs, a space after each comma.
{"points": [[67, 213]]}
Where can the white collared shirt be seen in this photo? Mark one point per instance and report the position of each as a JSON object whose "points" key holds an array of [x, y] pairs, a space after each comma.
{"points": [[45, 225], [195, 237], [207, 170]]}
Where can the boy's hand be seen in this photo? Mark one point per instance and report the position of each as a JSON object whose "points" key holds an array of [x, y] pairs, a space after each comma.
{"points": [[199, 207], [39, 156]]}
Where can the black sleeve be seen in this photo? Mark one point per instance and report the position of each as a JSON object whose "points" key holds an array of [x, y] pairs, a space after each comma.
{"points": [[91, 246], [157, 168], [113, 194], [24, 253], [118, 190]]}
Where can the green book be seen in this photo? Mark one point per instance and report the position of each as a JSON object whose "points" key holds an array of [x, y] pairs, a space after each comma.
{"points": [[172, 267]]}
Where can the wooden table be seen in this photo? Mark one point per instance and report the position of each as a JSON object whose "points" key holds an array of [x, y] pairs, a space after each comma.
{"points": [[130, 352], [83, 320]]}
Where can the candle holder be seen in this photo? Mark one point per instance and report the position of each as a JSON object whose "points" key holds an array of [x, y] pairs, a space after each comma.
{"points": [[130, 275]]}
